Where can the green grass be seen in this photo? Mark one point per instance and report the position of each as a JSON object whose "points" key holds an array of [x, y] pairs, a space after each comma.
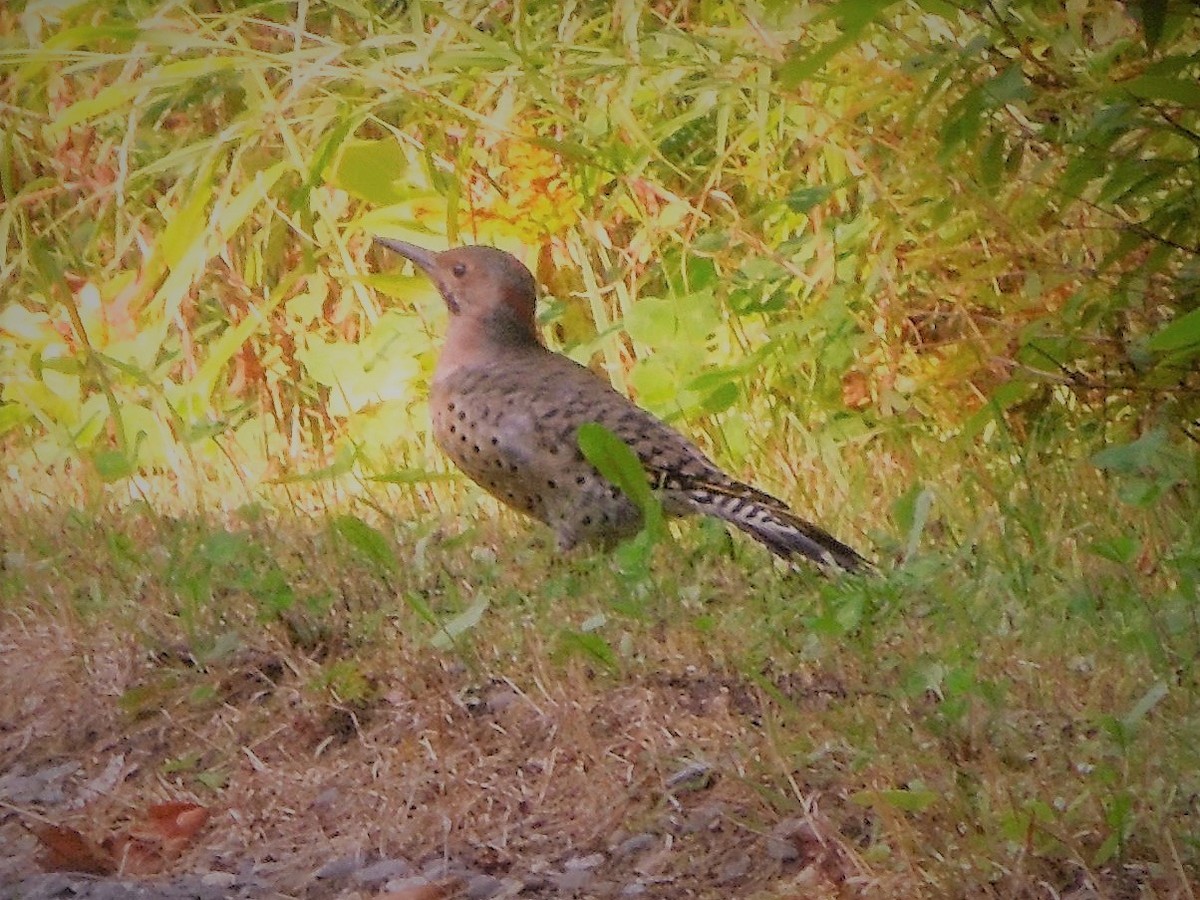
{"points": [[999, 712]]}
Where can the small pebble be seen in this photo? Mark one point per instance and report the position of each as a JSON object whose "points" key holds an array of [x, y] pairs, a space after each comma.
{"points": [[339, 868], [584, 862], [639, 843], [704, 818], [781, 849], [483, 887], [399, 885], [383, 870], [735, 869], [572, 879]]}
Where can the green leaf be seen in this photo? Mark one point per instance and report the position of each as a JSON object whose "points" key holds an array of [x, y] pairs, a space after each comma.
{"points": [[913, 801], [213, 779], [1154, 17], [1120, 550], [12, 415], [991, 161], [804, 199], [852, 16], [720, 398], [113, 465], [591, 645], [414, 476], [1006, 87], [615, 461], [1134, 458], [1155, 695], [370, 170], [911, 512], [652, 321], [367, 540], [454, 627], [1181, 333], [941, 8], [1174, 90]]}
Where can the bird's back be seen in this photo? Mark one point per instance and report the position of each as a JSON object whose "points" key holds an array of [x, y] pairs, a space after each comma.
{"points": [[512, 428]]}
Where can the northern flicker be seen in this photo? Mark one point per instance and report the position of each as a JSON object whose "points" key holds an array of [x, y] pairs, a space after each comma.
{"points": [[506, 410]]}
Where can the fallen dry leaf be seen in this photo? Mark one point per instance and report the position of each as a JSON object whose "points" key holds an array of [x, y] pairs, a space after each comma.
{"points": [[66, 850], [144, 849], [135, 855], [438, 891], [177, 820], [166, 832]]}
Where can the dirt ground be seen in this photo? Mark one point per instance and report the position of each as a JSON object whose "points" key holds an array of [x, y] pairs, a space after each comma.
{"points": [[446, 785]]}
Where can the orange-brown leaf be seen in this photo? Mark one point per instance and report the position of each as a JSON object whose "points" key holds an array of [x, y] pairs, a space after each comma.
{"points": [[177, 819], [438, 891], [66, 850], [135, 855]]}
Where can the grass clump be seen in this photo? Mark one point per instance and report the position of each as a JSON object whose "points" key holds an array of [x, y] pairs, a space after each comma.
{"points": [[989, 717]]}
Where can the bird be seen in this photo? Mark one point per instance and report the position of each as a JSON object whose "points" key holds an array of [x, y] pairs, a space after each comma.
{"points": [[506, 410]]}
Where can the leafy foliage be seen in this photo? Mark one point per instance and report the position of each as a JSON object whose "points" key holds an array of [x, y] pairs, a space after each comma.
{"points": [[862, 215]]}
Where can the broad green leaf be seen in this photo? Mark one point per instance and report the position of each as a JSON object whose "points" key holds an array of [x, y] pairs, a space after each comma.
{"points": [[613, 458], [1154, 17], [942, 8], [991, 161], [1134, 458], [1174, 90], [367, 540], [370, 170], [117, 95], [1008, 86], [804, 199], [113, 465], [591, 645], [1179, 334], [911, 512], [449, 631], [1121, 550], [653, 321], [615, 461], [912, 801], [802, 67], [720, 398], [12, 415], [53, 47], [185, 228]]}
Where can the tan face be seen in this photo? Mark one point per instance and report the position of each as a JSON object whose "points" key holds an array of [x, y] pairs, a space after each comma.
{"points": [[475, 282]]}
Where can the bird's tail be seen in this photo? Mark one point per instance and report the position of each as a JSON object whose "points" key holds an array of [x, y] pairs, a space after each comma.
{"points": [[772, 524]]}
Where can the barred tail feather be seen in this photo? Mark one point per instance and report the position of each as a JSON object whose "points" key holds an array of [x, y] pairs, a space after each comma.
{"points": [[780, 530]]}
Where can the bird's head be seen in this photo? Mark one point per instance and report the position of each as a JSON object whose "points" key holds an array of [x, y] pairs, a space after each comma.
{"points": [[481, 285]]}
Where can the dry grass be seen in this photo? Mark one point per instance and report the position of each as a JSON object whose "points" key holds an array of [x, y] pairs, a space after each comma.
{"points": [[933, 732]]}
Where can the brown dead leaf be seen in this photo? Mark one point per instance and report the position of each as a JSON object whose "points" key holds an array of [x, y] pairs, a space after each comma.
{"points": [[147, 847], [177, 820], [437, 891], [66, 850], [856, 390], [135, 855]]}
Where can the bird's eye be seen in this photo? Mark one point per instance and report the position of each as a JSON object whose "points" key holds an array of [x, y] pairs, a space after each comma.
{"points": [[459, 270]]}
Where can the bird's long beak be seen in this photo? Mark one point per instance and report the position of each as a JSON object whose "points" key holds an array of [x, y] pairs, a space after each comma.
{"points": [[426, 259]]}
